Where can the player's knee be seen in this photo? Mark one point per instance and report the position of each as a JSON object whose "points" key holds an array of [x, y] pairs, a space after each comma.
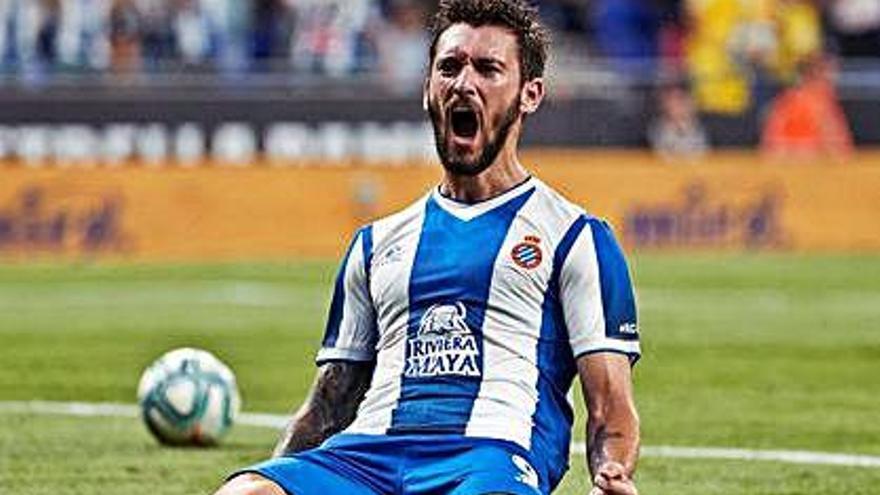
{"points": [[250, 484]]}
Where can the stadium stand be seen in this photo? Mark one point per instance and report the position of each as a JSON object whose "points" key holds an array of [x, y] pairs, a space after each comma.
{"points": [[132, 78]]}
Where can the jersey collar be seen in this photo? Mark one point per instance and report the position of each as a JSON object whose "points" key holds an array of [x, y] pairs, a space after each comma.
{"points": [[467, 211]]}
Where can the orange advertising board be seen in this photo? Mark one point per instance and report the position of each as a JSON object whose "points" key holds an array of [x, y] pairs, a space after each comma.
{"points": [[731, 202]]}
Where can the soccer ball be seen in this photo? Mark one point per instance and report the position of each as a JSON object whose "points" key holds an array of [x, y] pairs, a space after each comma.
{"points": [[188, 397]]}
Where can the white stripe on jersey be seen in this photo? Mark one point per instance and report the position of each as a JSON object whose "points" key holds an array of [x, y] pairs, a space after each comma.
{"points": [[394, 248], [357, 315], [585, 317], [356, 299], [512, 328]]}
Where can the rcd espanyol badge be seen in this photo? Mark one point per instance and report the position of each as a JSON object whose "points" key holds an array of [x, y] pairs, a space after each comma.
{"points": [[527, 254]]}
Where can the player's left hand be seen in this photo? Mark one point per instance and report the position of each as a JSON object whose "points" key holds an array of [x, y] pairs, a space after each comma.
{"points": [[611, 479]]}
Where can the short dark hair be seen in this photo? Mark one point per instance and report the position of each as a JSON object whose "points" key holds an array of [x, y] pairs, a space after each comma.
{"points": [[515, 15]]}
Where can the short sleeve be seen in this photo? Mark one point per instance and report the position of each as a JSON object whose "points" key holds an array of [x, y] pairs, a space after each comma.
{"points": [[597, 295], [351, 332]]}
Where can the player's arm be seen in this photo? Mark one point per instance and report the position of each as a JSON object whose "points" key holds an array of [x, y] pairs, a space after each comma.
{"points": [[336, 394], [612, 422], [600, 313], [346, 359]]}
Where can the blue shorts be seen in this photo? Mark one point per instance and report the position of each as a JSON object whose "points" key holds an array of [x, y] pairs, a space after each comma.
{"points": [[406, 465]]}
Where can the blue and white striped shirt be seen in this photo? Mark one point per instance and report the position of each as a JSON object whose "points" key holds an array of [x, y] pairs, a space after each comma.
{"points": [[476, 313]]}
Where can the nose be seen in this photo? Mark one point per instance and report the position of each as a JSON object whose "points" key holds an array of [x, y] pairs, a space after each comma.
{"points": [[464, 83]]}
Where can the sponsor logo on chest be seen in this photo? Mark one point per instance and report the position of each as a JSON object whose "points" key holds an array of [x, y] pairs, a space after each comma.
{"points": [[444, 345]]}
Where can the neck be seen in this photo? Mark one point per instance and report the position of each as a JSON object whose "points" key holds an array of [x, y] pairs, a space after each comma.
{"points": [[505, 173]]}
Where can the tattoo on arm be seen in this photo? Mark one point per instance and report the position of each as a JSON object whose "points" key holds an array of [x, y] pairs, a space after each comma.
{"points": [[331, 406], [597, 439], [612, 422]]}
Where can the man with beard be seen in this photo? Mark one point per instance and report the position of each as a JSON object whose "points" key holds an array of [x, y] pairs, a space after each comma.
{"points": [[458, 324]]}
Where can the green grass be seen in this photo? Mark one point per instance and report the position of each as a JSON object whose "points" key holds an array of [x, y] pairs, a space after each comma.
{"points": [[769, 351]]}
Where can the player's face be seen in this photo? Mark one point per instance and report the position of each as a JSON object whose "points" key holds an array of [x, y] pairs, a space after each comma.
{"points": [[473, 95]]}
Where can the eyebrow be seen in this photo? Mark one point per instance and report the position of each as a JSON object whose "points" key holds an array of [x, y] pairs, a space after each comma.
{"points": [[490, 61], [482, 60]]}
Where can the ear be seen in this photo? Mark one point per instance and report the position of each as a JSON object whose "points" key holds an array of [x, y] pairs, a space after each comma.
{"points": [[531, 95], [425, 87]]}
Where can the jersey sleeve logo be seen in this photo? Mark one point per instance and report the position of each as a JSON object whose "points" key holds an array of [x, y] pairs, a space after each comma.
{"points": [[444, 344], [628, 329], [527, 474], [394, 254], [527, 254]]}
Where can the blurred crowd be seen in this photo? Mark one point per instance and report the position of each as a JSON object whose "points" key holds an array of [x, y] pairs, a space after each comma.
{"points": [[773, 60], [714, 58], [339, 37], [331, 37]]}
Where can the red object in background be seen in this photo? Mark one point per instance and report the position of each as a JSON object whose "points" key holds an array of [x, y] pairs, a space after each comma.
{"points": [[806, 120]]}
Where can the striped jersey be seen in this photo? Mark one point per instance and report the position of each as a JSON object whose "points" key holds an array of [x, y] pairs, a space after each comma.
{"points": [[476, 313]]}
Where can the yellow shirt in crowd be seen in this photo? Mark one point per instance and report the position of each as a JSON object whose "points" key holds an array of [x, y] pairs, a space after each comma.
{"points": [[729, 39]]}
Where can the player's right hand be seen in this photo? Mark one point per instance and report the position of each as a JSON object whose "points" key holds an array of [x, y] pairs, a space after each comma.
{"points": [[611, 479]]}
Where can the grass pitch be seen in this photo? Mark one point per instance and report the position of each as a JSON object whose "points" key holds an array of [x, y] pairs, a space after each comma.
{"points": [[769, 352]]}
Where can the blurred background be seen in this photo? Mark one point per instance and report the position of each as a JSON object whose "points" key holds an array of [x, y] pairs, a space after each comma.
{"points": [[698, 109], [677, 76], [188, 172]]}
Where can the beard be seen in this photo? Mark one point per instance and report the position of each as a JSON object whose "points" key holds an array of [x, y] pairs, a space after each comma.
{"points": [[460, 165]]}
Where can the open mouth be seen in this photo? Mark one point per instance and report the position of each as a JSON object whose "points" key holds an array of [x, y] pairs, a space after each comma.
{"points": [[464, 122]]}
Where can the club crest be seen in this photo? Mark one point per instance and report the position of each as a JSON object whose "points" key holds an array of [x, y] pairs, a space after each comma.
{"points": [[527, 254]]}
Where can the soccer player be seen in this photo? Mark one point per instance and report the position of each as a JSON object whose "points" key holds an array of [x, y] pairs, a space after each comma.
{"points": [[458, 324]]}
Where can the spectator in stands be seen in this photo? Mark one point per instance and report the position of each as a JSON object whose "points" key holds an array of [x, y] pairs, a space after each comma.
{"points": [[676, 134], [799, 28], [82, 39], [672, 38], [157, 33], [628, 34], [329, 34], [47, 33], [231, 21], [194, 35], [7, 32], [719, 85], [806, 121], [566, 16], [125, 38], [728, 39], [272, 29], [315, 36], [795, 36], [855, 27], [30, 28], [401, 44]]}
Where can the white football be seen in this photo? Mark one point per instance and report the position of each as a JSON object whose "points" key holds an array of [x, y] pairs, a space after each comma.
{"points": [[188, 397]]}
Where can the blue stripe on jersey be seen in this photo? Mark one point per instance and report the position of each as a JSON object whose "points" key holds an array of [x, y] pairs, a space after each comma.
{"points": [[618, 301], [451, 276], [367, 245], [337, 305], [553, 416]]}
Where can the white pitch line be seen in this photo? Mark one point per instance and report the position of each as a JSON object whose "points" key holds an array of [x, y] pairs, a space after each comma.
{"points": [[89, 295], [788, 456], [110, 409], [278, 421]]}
